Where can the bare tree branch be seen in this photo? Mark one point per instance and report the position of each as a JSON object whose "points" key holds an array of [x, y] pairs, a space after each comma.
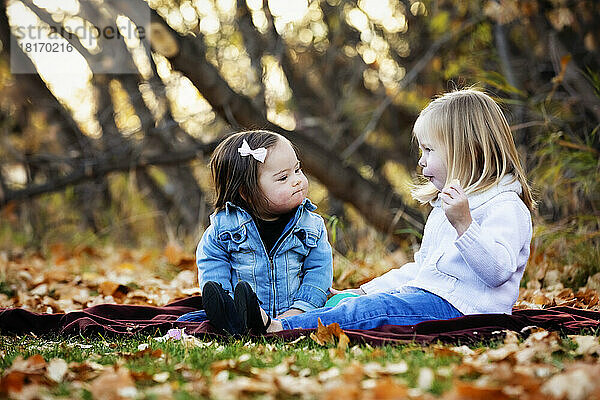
{"points": [[103, 165], [374, 201], [407, 80]]}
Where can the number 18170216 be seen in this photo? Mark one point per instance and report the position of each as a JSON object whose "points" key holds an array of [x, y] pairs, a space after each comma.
{"points": [[46, 47]]}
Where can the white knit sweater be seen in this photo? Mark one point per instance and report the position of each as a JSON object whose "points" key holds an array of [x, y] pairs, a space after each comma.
{"points": [[478, 272]]}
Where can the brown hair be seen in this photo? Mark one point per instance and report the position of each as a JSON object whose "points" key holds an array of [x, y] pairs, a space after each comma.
{"points": [[479, 147], [235, 177]]}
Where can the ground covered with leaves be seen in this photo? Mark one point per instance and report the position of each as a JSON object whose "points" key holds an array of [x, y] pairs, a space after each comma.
{"points": [[532, 364]]}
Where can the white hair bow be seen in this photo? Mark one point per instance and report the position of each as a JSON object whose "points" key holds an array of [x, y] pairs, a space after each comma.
{"points": [[259, 153]]}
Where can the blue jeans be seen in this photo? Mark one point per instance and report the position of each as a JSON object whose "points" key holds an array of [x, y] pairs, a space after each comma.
{"points": [[407, 306], [193, 316]]}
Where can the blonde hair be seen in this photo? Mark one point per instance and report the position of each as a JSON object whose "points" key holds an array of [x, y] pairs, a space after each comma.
{"points": [[473, 134]]}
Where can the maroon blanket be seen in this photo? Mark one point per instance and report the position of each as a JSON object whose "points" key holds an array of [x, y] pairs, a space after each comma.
{"points": [[114, 319]]}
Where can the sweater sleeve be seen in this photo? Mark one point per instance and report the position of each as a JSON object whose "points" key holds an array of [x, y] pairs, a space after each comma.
{"points": [[491, 247]]}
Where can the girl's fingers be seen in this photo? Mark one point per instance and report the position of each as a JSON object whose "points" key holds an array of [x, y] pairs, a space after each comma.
{"points": [[454, 193], [446, 198], [453, 190], [450, 193], [459, 190]]}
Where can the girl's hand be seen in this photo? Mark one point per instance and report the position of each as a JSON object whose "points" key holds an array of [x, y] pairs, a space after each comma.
{"points": [[289, 313], [456, 206], [358, 291]]}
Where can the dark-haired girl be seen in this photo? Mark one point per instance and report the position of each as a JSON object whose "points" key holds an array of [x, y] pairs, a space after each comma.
{"points": [[265, 245]]}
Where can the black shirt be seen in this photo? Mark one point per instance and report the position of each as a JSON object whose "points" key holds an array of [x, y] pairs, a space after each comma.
{"points": [[270, 231]]}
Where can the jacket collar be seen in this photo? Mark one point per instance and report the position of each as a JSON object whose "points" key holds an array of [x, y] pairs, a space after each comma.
{"points": [[306, 203], [508, 183]]}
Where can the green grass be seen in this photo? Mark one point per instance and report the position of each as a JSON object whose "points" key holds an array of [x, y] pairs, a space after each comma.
{"points": [[252, 358], [178, 360], [6, 288]]}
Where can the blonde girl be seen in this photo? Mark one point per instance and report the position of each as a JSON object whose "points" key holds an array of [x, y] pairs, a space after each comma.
{"points": [[476, 241]]}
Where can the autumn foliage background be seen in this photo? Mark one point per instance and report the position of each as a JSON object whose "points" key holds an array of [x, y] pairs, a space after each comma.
{"points": [[103, 160], [104, 189]]}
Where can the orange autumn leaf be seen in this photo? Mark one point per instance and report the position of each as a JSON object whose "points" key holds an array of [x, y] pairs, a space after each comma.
{"points": [[443, 351], [222, 365], [387, 388], [335, 329], [23, 372], [31, 365], [327, 334], [12, 382], [345, 390], [156, 353], [471, 391], [116, 290], [107, 288], [343, 341], [146, 257], [175, 255], [323, 335]]}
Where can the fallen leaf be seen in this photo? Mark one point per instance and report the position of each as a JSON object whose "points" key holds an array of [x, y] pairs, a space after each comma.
{"points": [[444, 351], [425, 379], [175, 255], [323, 335], [586, 344], [12, 382], [298, 386], [24, 374], [116, 290], [35, 364], [395, 368], [142, 376], [575, 384], [163, 392], [471, 391], [156, 353], [387, 388], [56, 370], [113, 384], [327, 334], [343, 341], [222, 365], [161, 377], [237, 387]]}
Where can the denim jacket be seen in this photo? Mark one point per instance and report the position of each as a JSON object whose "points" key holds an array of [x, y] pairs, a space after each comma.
{"points": [[296, 273]]}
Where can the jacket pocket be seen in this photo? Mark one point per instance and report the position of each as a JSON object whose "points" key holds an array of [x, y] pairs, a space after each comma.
{"points": [[241, 253], [304, 240]]}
